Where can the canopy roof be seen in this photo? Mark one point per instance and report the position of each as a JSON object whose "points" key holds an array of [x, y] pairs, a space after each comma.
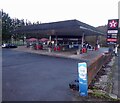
{"points": [[32, 39], [43, 39], [61, 28]]}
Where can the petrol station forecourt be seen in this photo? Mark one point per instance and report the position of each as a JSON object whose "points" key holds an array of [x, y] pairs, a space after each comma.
{"points": [[72, 31], [64, 34]]}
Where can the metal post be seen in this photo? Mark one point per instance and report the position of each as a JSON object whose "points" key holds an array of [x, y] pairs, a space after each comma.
{"points": [[82, 39], [97, 42], [49, 49], [119, 12], [24, 40], [81, 45], [56, 40], [56, 43], [50, 38]]}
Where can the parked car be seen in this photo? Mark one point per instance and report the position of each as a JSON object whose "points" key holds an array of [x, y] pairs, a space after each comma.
{"points": [[9, 46], [38, 46]]}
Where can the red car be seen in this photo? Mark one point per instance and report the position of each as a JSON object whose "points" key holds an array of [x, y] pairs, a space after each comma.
{"points": [[38, 46], [57, 48]]}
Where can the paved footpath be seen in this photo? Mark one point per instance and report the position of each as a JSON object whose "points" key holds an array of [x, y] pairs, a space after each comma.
{"points": [[119, 75], [116, 76]]}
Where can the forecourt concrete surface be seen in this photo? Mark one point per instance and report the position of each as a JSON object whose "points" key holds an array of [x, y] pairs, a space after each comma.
{"points": [[32, 77]]}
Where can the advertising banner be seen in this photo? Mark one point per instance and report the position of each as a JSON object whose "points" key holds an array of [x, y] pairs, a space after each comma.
{"points": [[83, 81]]}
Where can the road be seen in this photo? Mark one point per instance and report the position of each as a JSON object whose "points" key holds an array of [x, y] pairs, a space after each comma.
{"points": [[33, 77]]}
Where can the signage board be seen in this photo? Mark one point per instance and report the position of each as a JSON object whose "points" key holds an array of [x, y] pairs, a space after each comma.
{"points": [[113, 24], [112, 40], [112, 31], [83, 82], [112, 36]]}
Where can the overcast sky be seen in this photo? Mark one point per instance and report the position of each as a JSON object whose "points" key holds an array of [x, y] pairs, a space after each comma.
{"points": [[93, 12]]}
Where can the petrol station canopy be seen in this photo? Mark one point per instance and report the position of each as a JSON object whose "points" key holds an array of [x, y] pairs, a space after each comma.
{"points": [[61, 28]]}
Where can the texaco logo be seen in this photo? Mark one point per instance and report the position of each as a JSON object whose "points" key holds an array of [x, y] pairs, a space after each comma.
{"points": [[113, 24]]}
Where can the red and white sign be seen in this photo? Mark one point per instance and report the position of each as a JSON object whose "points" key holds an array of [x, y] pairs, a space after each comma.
{"points": [[112, 31], [111, 40], [113, 24]]}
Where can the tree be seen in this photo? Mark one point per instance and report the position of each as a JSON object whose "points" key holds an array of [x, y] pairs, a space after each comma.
{"points": [[9, 25], [6, 27]]}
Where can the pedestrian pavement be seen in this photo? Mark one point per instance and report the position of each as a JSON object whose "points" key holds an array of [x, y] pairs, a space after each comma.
{"points": [[116, 76], [90, 55]]}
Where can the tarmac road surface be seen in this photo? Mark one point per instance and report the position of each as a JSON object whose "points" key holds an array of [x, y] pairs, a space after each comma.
{"points": [[33, 77]]}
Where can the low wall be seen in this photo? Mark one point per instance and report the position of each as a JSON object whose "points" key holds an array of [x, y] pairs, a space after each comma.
{"points": [[96, 65]]}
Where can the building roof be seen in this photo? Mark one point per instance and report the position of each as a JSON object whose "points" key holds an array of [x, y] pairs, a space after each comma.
{"points": [[68, 27]]}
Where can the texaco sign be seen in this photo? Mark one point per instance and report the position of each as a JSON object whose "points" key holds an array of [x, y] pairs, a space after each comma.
{"points": [[112, 31], [113, 24]]}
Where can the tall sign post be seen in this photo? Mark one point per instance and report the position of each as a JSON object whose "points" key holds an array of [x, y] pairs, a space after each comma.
{"points": [[82, 77], [119, 21], [112, 32]]}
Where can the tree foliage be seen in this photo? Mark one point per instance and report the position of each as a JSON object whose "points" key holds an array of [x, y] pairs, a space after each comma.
{"points": [[6, 26], [9, 25]]}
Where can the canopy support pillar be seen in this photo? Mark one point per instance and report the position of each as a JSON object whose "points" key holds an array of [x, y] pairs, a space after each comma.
{"points": [[50, 45], [81, 45]]}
